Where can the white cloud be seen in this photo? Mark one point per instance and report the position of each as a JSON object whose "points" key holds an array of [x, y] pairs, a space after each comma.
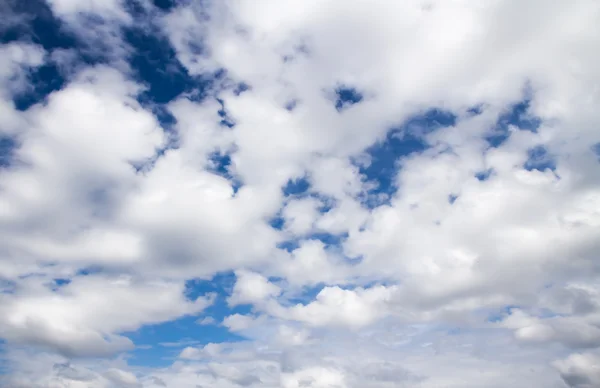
{"points": [[72, 199], [314, 377], [310, 264], [206, 321], [86, 316], [334, 306], [580, 370], [300, 215], [16, 62], [122, 378], [252, 288]]}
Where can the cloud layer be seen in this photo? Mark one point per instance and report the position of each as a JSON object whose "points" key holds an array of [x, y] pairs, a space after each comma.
{"points": [[300, 194]]}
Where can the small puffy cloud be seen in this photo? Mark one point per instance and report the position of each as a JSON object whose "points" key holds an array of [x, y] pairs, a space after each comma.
{"points": [[207, 351], [206, 321], [335, 306], [252, 288], [300, 215], [239, 322], [311, 264], [291, 336]]}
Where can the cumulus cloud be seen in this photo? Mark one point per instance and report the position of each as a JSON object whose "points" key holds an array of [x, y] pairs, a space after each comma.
{"points": [[335, 306], [84, 317], [580, 370], [396, 193], [252, 288]]}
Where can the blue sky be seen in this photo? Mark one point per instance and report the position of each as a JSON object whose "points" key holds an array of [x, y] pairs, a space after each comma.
{"points": [[295, 194]]}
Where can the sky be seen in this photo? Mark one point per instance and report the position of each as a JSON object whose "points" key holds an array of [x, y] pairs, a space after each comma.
{"points": [[299, 193]]}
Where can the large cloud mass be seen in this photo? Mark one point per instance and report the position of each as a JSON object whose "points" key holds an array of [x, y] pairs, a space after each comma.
{"points": [[339, 194]]}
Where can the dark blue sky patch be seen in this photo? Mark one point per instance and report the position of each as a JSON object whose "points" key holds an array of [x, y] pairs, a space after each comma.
{"points": [[596, 150], [34, 22], [277, 222], [484, 175], [43, 81], [183, 330], [498, 137], [517, 115], [227, 123], [399, 142], [91, 270], [221, 285], [329, 239], [539, 159], [7, 287], [155, 63], [520, 117], [241, 88], [58, 283], [384, 157], [428, 121], [289, 245], [166, 5], [346, 97], [220, 164], [207, 85], [8, 145], [475, 110], [291, 105], [61, 282], [452, 198], [500, 315], [154, 60], [295, 187], [226, 120], [166, 119]]}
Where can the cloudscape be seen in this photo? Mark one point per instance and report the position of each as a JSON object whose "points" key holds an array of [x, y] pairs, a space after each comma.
{"points": [[299, 193]]}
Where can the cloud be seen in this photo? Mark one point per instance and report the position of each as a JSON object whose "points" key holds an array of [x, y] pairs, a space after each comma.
{"points": [[251, 288], [580, 370], [335, 306], [84, 317], [406, 194], [122, 378]]}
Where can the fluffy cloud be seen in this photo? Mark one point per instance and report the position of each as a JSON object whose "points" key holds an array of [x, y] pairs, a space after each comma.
{"points": [[85, 317], [335, 306], [252, 288], [580, 370], [406, 193]]}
